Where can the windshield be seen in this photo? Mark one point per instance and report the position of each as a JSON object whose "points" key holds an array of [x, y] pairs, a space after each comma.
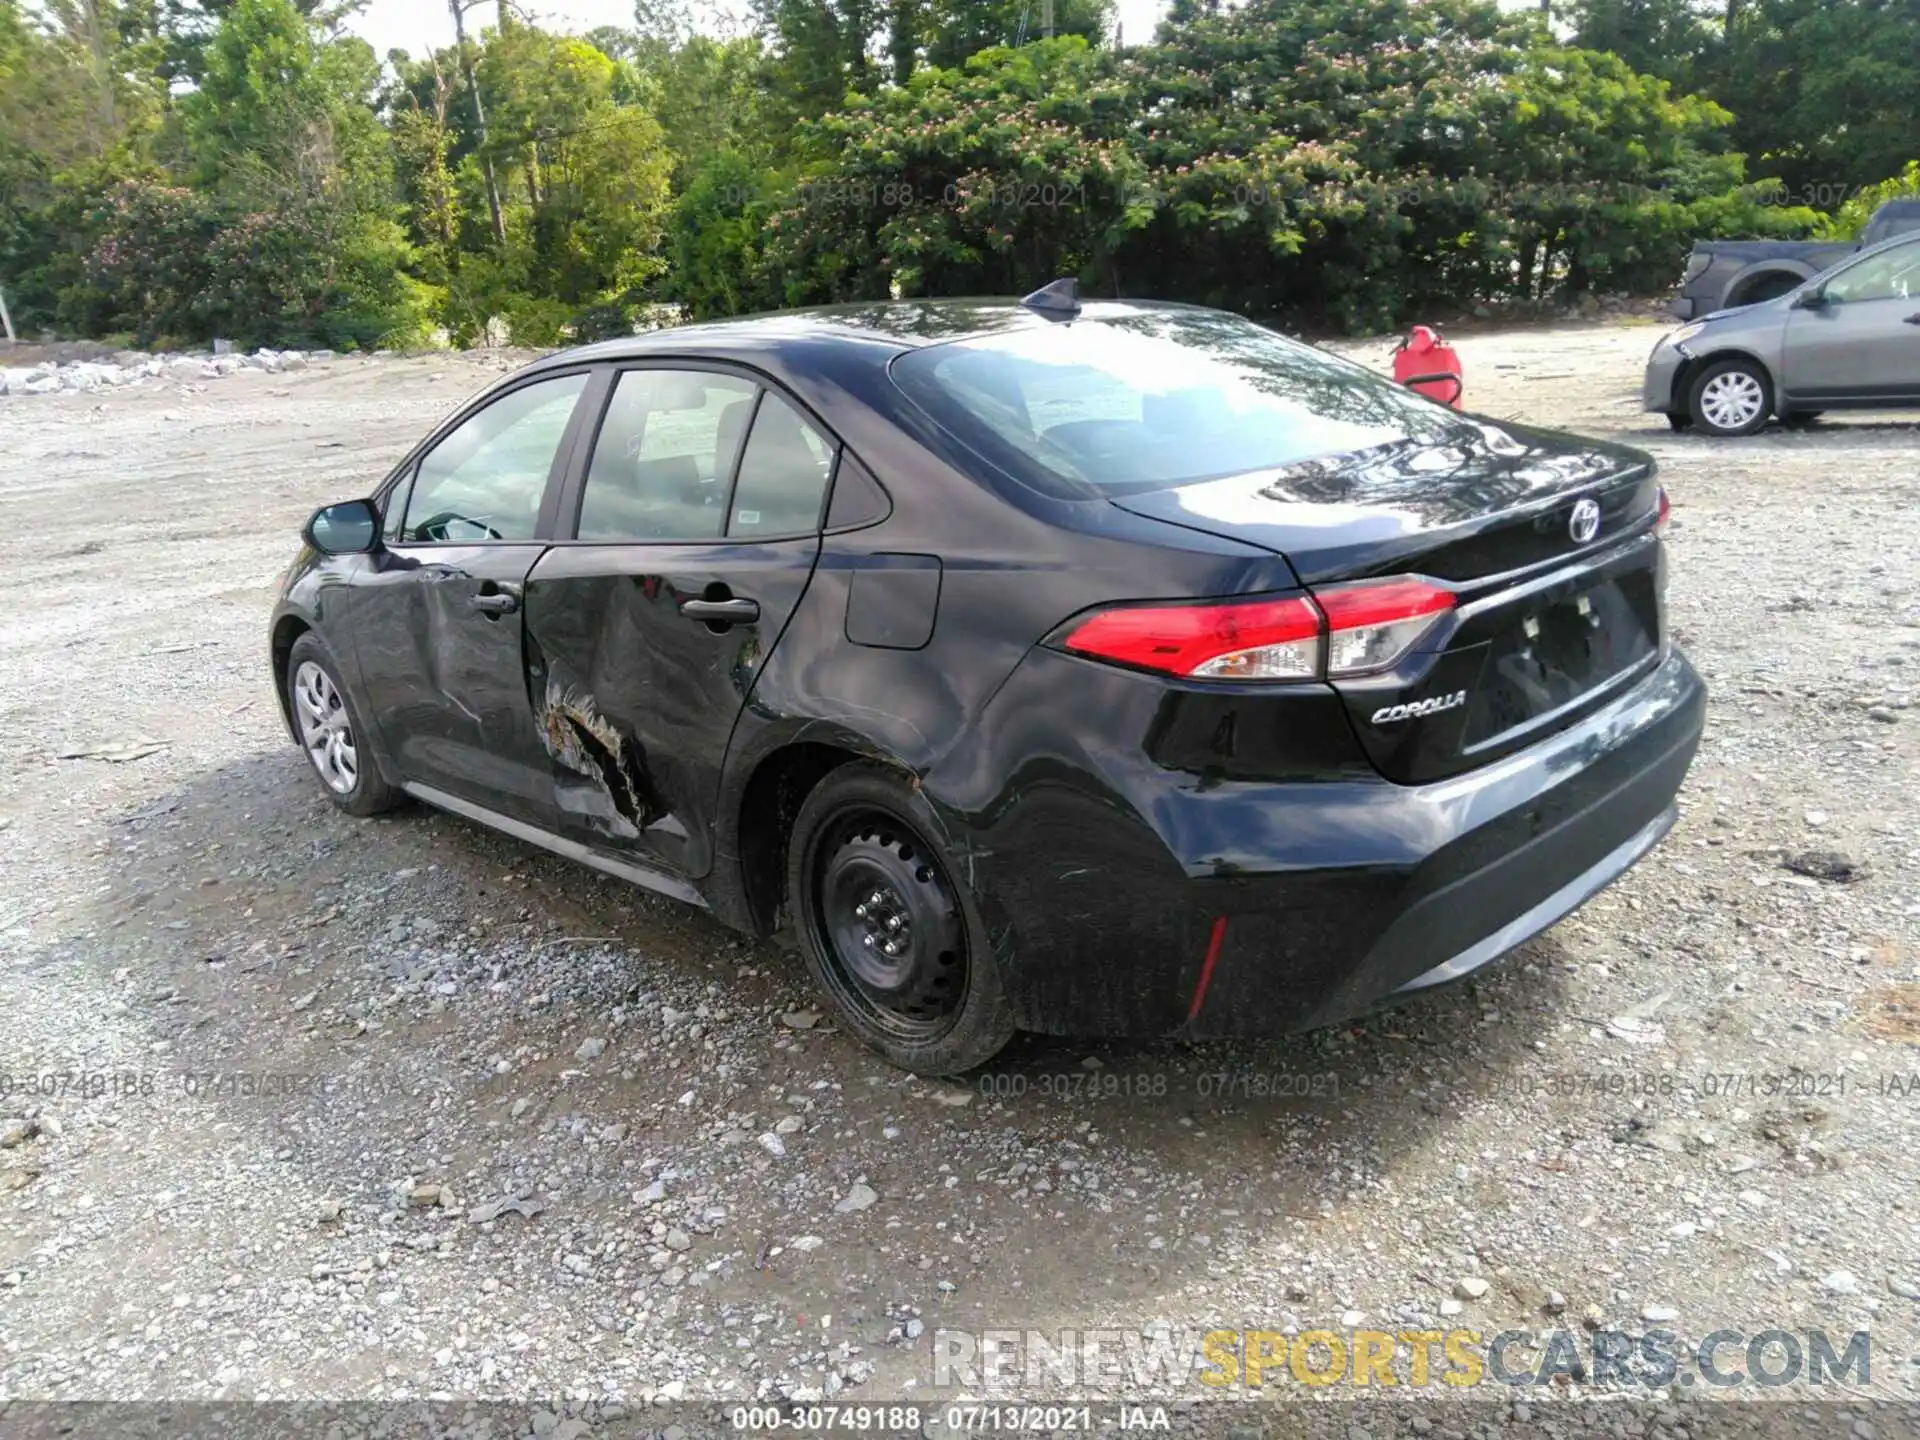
{"points": [[1155, 398]]}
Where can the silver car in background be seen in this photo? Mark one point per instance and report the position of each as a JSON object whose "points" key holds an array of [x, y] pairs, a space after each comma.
{"points": [[1846, 339]]}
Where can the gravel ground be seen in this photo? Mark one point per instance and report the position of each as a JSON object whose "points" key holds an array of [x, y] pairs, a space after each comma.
{"points": [[299, 1107]]}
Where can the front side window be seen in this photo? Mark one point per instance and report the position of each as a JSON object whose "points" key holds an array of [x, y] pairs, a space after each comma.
{"points": [[485, 481], [783, 475], [1156, 399], [1894, 275], [665, 456]]}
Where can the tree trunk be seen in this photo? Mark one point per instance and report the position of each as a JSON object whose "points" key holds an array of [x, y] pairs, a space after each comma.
{"points": [[480, 117]]}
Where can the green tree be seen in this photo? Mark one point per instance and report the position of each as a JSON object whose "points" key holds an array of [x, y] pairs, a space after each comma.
{"points": [[993, 178], [1676, 40], [1824, 91], [958, 29], [823, 49]]}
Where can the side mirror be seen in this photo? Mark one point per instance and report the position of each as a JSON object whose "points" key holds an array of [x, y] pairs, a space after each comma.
{"points": [[350, 528], [1814, 299]]}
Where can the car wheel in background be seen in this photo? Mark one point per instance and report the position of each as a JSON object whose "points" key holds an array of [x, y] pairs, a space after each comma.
{"points": [[1731, 397], [890, 936], [330, 731], [1679, 420], [1800, 419]]}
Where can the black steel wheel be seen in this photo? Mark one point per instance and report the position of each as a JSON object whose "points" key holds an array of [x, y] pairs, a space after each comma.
{"points": [[891, 939]]}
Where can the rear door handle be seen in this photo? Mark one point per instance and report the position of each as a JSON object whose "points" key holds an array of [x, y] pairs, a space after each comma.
{"points": [[722, 612], [497, 599]]}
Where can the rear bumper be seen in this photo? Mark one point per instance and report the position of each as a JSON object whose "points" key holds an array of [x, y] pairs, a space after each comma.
{"points": [[1243, 909], [1564, 901]]}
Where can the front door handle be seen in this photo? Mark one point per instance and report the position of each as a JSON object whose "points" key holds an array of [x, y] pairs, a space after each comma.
{"points": [[497, 599], [721, 612]]}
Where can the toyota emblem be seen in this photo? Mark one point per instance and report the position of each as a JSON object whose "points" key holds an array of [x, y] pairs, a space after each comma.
{"points": [[1585, 522]]}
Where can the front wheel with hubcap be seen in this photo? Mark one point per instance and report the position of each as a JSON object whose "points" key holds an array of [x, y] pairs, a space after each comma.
{"points": [[1731, 397], [330, 732], [896, 945]]}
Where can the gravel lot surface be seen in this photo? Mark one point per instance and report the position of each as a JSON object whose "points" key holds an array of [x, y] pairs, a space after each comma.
{"points": [[294, 1106]]}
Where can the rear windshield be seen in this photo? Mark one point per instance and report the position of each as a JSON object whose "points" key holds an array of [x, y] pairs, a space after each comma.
{"points": [[1153, 399]]}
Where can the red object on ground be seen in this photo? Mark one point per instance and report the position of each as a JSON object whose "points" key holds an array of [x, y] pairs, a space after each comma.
{"points": [[1425, 362]]}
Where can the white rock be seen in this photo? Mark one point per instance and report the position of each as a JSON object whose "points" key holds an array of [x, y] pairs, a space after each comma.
{"points": [[1841, 1282], [858, 1198], [1659, 1314], [1471, 1288], [591, 1048], [773, 1145]]}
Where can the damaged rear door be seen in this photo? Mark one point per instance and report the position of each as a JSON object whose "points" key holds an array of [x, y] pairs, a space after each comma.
{"points": [[694, 524]]}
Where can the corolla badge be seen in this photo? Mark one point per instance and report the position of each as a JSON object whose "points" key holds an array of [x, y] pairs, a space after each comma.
{"points": [[1584, 524], [1413, 709]]}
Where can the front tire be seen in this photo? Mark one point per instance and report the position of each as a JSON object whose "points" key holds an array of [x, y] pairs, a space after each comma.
{"points": [[890, 937], [329, 729], [1731, 397]]}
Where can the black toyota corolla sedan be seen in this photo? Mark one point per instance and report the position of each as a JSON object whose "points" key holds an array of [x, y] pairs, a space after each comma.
{"points": [[1110, 668]]}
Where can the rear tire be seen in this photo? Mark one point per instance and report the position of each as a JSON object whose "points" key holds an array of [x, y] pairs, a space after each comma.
{"points": [[1679, 420], [893, 941], [1731, 397], [1800, 419], [330, 731]]}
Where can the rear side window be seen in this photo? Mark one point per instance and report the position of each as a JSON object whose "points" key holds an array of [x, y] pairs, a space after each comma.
{"points": [[485, 481], [783, 475], [1145, 401], [665, 456]]}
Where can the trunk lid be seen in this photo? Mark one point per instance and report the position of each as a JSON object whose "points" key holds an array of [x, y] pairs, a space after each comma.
{"points": [[1545, 626]]}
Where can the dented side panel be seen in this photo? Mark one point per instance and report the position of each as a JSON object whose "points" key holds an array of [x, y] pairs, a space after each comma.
{"points": [[633, 701], [445, 678]]}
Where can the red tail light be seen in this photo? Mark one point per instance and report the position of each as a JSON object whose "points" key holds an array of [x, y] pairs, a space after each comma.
{"points": [[1351, 630], [1244, 640], [1665, 513], [1370, 627]]}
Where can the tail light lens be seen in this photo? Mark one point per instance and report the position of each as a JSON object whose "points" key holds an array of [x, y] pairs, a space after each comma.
{"points": [[1664, 513], [1245, 640], [1371, 627], [1349, 630]]}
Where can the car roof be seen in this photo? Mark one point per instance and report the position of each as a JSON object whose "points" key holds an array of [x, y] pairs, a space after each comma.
{"points": [[888, 327]]}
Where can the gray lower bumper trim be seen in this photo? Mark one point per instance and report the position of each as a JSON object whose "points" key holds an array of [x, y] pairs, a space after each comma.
{"points": [[1556, 906]]}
